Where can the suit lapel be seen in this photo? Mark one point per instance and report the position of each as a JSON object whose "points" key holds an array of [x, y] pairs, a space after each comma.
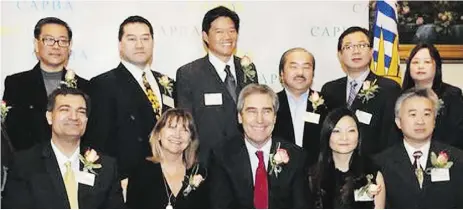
{"points": [[358, 101], [52, 168], [84, 191], [404, 167], [239, 75], [163, 90], [40, 93], [272, 179], [284, 117], [241, 165], [218, 81], [340, 92]]}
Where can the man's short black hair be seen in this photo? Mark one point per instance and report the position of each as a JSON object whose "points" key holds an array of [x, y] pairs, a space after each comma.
{"points": [[134, 19], [50, 20], [63, 90]]}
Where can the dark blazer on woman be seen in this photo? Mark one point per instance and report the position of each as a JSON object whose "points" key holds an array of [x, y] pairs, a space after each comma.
{"points": [[147, 190]]}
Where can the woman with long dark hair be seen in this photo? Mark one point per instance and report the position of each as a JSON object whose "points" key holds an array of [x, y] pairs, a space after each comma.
{"points": [[342, 177], [424, 70]]}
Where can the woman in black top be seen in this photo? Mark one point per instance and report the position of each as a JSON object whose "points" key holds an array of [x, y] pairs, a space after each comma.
{"points": [[342, 176], [171, 178], [424, 70]]}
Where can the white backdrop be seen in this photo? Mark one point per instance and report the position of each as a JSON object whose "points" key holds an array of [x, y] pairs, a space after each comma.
{"points": [[267, 30]]}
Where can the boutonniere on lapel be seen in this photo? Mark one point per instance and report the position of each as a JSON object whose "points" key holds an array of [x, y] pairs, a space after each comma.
{"points": [[248, 69], [194, 180], [277, 159], [369, 189], [4, 110], [368, 90], [70, 79], [165, 82], [440, 167], [441, 161], [440, 105], [89, 159], [316, 100]]}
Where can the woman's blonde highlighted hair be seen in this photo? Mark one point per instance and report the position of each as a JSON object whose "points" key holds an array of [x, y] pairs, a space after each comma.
{"points": [[175, 116]]}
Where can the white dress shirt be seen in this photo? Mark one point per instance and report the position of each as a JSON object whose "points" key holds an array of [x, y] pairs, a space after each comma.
{"points": [[298, 107], [219, 66], [359, 81], [62, 159], [253, 157], [424, 149], [137, 73]]}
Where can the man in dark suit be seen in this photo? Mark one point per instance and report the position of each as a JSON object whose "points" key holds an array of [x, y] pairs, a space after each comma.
{"points": [[208, 87], [53, 174], [301, 111], [27, 92], [417, 172], [129, 99], [255, 170], [370, 96]]}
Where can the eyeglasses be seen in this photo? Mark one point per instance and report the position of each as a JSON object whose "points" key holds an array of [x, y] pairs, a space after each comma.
{"points": [[351, 47], [50, 41]]}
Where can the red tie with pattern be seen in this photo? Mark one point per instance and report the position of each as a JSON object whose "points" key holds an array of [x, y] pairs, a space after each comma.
{"points": [[261, 186]]}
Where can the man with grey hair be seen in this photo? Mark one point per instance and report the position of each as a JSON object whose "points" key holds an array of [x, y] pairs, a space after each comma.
{"points": [[256, 170], [421, 172], [302, 109]]}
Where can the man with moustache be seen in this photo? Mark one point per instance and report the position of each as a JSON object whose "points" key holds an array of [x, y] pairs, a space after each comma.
{"points": [[301, 111], [370, 96], [129, 99], [26, 92], [256, 170], [417, 171], [208, 87], [52, 175]]}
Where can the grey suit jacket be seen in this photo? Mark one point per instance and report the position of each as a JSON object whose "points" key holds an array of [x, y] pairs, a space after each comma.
{"points": [[215, 123]]}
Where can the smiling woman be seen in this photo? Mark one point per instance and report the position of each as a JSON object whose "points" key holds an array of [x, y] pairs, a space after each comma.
{"points": [[171, 177]]}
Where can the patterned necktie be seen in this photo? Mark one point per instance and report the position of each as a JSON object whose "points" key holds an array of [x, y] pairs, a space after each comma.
{"points": [[418, 169], [261, 185], [230, 83], [152, 97], [71, 186], [352, 93]]}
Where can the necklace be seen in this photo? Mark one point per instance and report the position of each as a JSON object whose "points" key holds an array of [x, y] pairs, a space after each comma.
{"points": [[169, 195]]}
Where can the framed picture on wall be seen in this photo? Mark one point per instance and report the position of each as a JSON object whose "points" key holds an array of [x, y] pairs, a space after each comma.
{"points": [[436, 22]]}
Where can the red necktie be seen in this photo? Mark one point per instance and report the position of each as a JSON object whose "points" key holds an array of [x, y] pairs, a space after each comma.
{"points": [[261, 186]]}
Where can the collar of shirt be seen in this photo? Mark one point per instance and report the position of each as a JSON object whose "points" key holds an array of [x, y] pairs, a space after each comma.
{"points": [[424, 149], [359, 81], [219, 66], [137, 73], [253, 157], [62, 159], [298, 107]]}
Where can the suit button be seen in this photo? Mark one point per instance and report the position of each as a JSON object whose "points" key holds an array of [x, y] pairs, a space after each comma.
{"points": [[140, 139], [132, 117]]}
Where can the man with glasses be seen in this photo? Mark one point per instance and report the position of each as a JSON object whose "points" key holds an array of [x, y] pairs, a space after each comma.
{"points": [[370, 96], [27, 92]]}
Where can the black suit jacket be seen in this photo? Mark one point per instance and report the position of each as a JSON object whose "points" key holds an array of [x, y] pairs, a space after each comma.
{"points": [[146, 190], [231, 178], [402, 188], [25, 92], [122, 117], [284, 127], [375, 136], [214, 123], [35, 181]]}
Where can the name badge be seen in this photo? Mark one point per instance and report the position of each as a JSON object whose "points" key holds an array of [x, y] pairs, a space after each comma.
{"points": [[85, 178], [211, 99], [167, 100], [364, 117], [440, 174], [312, 117], [363, 197]]}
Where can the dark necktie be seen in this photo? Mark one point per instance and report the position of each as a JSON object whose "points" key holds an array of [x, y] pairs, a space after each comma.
{"points": [[418, 169], [230, 83], [261, 185]]}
